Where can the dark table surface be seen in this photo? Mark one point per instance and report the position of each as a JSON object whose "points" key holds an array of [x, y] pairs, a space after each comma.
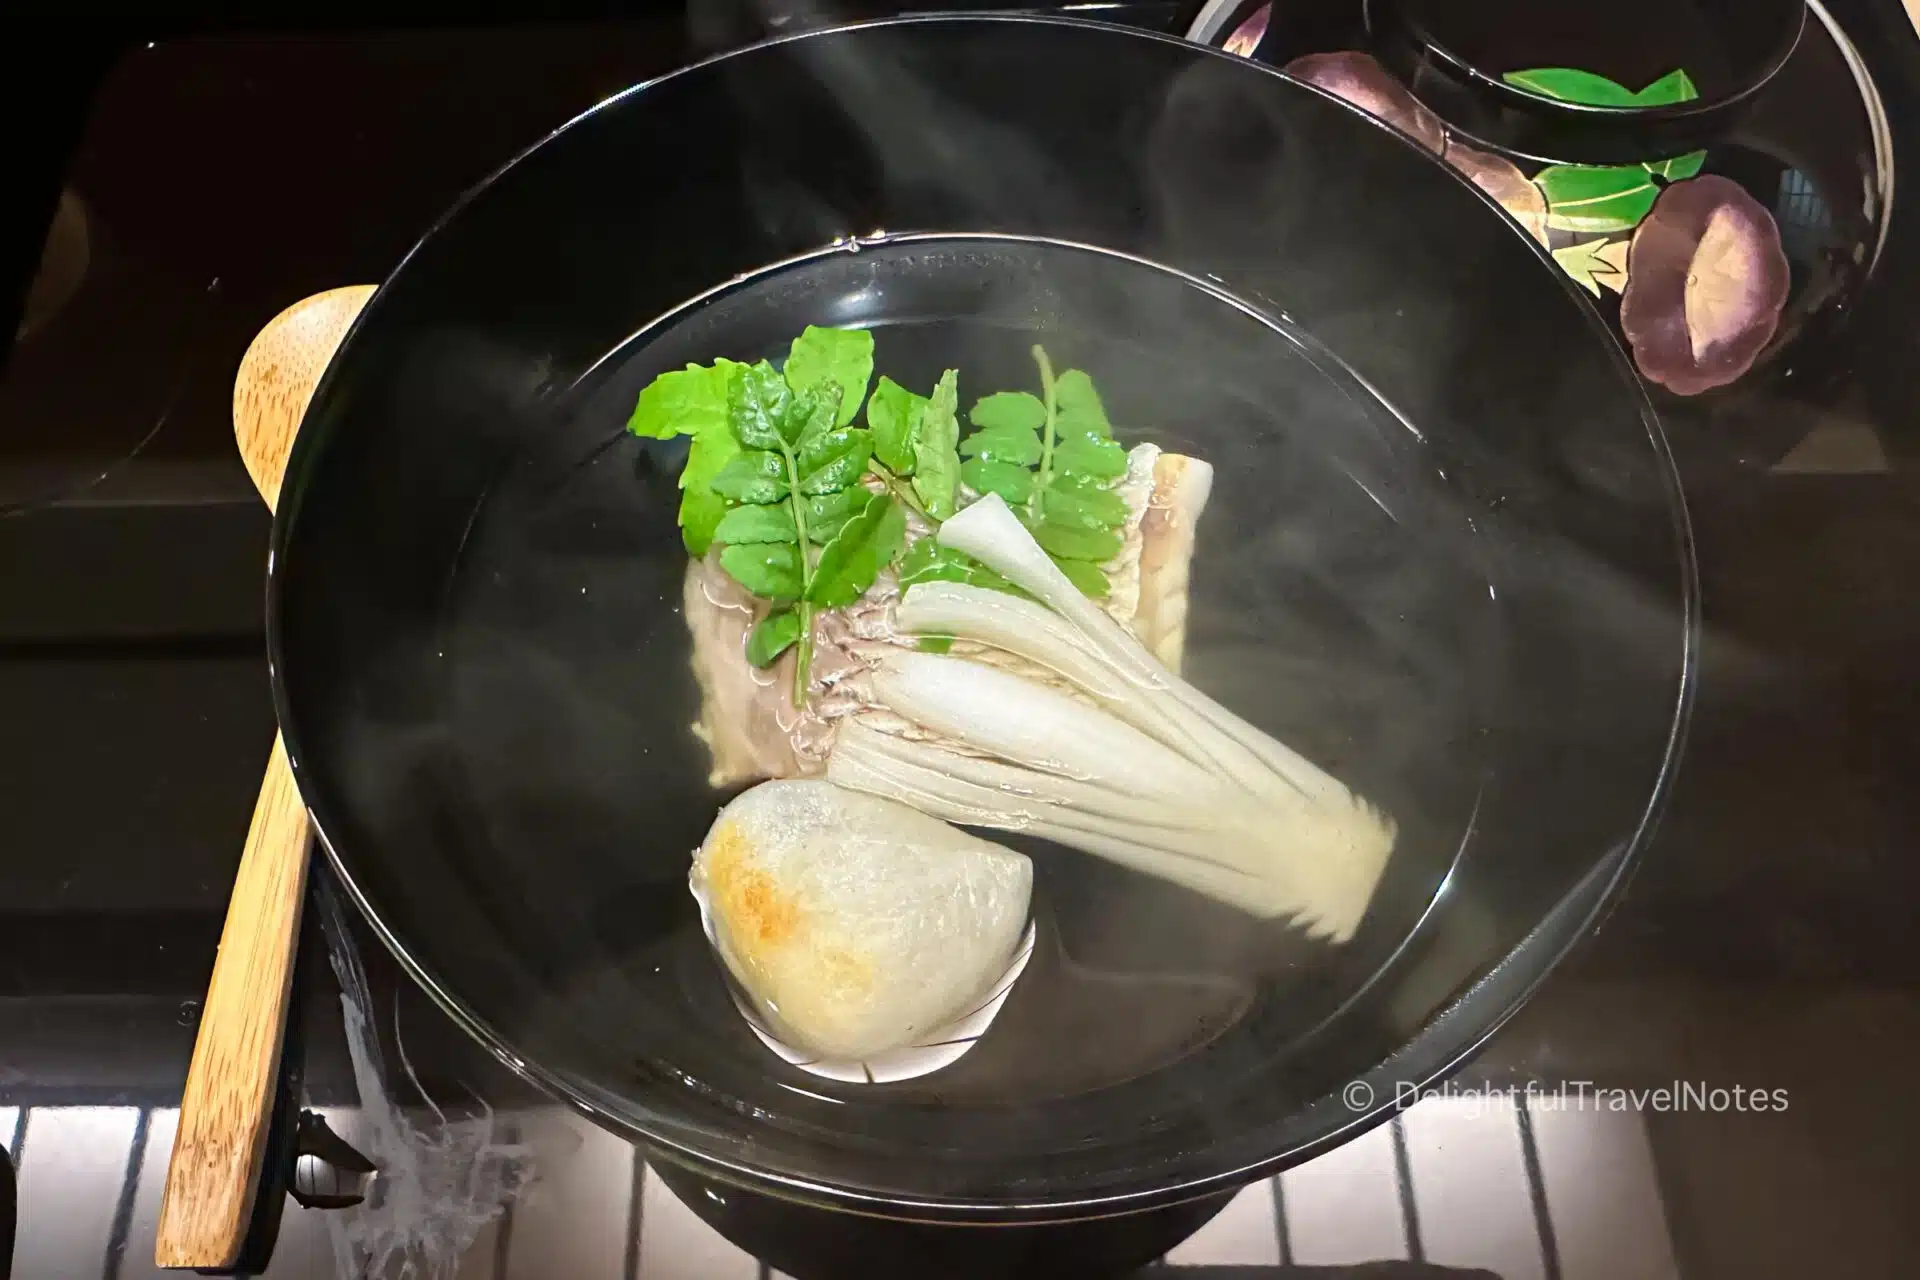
{"points": [[1769, 938]]}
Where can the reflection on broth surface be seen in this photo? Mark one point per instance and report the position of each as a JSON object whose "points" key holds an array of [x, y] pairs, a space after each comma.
{"points": [[1333, 603]]}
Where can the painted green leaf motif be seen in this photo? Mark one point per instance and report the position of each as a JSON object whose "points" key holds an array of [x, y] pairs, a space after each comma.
{"points": [[1010, 481], [1009, 411], [843, 356], [893, 415], [1595, 264], [755, 476], [757, 404], [774, 634], [1087, 577], [1596, 200], [1570, 84], [770, 570], [757, 524], [866, 544], [1675, 86], [686, 402], [827, 512], [1678, 168], [1581, 261], [834, 460], [936, 464]]}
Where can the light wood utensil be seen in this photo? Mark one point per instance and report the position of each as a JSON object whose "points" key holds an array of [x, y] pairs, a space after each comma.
{"points": [[228, 1102]]}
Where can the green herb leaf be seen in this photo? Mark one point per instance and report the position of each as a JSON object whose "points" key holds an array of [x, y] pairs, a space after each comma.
{"points": [[1070, 542], [922, 557], [758, 404], [833, 461], [934, 644], [1083, 507], [686, 402], [759, 476], [751, 524], [1068, 500], [893, 415], [773, 636], [1675, 86], [812, 414], [1679, 167], [1085, 438], [693, 402], [701, 510], [1099, 459], [843, 356], [927, 561], [1596, 200], [864, 546], [827, 512], [771, 570], [1017, 445], [1009, 411], [1014, 483], [1569, 84], [1087, 577], [936, 463], [1078, 411]]}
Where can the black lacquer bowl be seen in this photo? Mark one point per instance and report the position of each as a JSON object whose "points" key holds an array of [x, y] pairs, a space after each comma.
{"points": [[1446, 558], [1730, 222]]}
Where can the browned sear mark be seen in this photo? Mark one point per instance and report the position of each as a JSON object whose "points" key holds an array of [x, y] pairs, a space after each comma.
{"points": [[750, 902]]}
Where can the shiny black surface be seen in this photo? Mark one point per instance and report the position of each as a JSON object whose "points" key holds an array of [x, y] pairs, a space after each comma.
{"points": [[472, 603], [1454, 56], [1767, 937], [788, 1238]]}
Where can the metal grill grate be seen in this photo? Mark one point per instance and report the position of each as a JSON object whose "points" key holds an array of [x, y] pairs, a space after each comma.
{"points": [[1536, 1194]]}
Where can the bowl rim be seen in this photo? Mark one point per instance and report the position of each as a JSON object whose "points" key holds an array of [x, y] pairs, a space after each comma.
{"points": [[1457, 65], [1450, 1037]]}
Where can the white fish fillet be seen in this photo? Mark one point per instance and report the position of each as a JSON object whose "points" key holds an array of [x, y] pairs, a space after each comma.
{"points": [[747, 719], [1181, 487], [853, 923]]}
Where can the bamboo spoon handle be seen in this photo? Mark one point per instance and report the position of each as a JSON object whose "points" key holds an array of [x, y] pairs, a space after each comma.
{"points": [[228, 1102], [226, 1110]]}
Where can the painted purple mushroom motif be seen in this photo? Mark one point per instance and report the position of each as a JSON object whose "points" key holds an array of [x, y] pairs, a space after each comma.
{"points": [[1698, 263], [1361, 80], [1706, 281], [1502, 180]]}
